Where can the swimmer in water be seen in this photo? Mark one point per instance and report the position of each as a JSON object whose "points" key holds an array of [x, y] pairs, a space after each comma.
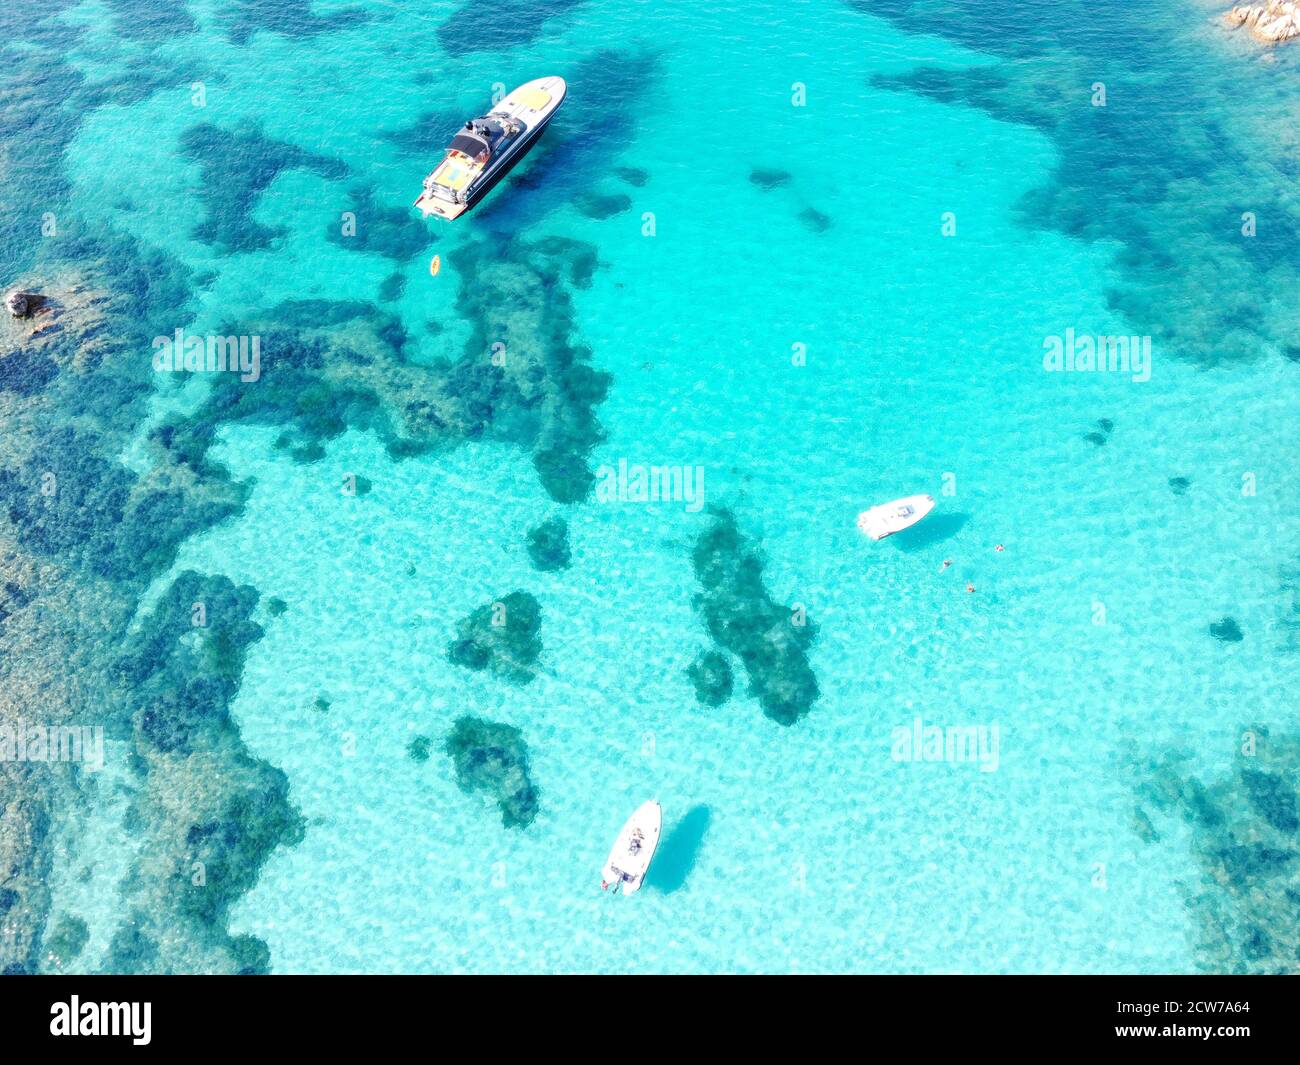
{"points": [[999, 548], [970, 587], [946, 563]]}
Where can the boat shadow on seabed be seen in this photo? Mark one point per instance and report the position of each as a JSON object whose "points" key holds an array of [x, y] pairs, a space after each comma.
{"points": [[677, 854], [933, 530]]}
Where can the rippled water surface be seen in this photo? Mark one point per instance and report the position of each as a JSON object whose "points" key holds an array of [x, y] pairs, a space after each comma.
{"points": [[813, 253]]}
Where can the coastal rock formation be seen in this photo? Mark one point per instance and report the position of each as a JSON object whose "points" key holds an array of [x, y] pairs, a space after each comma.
{"points": [[1269, 23], [18, 304], [492, 758], [37, 311], [82, 536], [502, 637]]}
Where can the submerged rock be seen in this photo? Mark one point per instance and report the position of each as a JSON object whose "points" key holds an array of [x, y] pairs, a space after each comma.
{"points": [[73, 566], [206, 813], [1102, 433], [548, 545], [1227, 630], [472, 28], [770, 639], [768, 179], [1243, 830], [184, 664], [633, 175], [231, 847], [326, 365], [1273, 797], [237, 167], [601, 206], [492, 758], [377, 228], [295, 19], [1159, 161], [25, 862], [65, 944], [1179, 485], [711, 675], [502, 637], [817, 221]]}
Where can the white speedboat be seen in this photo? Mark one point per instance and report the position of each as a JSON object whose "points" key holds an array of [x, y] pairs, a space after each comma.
{"points": [[888, 518], [635, 847], [486, 148]]}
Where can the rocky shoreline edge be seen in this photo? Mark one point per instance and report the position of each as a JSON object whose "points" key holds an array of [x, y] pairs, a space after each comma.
{"points": [[1269, 23]]}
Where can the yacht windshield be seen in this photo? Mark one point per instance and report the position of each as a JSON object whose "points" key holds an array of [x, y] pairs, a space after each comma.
{"points": [[471, 144]]}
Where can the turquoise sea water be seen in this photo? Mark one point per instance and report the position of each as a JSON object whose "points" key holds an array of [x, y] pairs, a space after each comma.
{"points": [[799, 162]]}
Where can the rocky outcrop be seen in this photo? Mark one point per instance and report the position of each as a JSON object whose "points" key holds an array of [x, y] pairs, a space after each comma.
{"points": [[503, 637], [29, 306], [548, 545], [17, 304], [73, 565], [492, 759], [24, 866], [1242, 828], [743, 619], [711, 674], [1269, 23]]}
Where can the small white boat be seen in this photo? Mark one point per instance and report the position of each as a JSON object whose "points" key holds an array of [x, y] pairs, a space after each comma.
{"points": [[635, 847], [888, 518]]}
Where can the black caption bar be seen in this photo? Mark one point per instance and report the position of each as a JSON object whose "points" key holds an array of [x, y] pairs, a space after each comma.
{"points": [[336, 1014]]}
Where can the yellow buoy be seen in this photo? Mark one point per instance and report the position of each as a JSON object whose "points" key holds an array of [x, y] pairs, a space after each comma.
{"points": [[435, 264]]}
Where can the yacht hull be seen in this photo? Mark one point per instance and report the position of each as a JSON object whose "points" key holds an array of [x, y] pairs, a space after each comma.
{"points": [[889, 518], [634, 849], [532, 105]]}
